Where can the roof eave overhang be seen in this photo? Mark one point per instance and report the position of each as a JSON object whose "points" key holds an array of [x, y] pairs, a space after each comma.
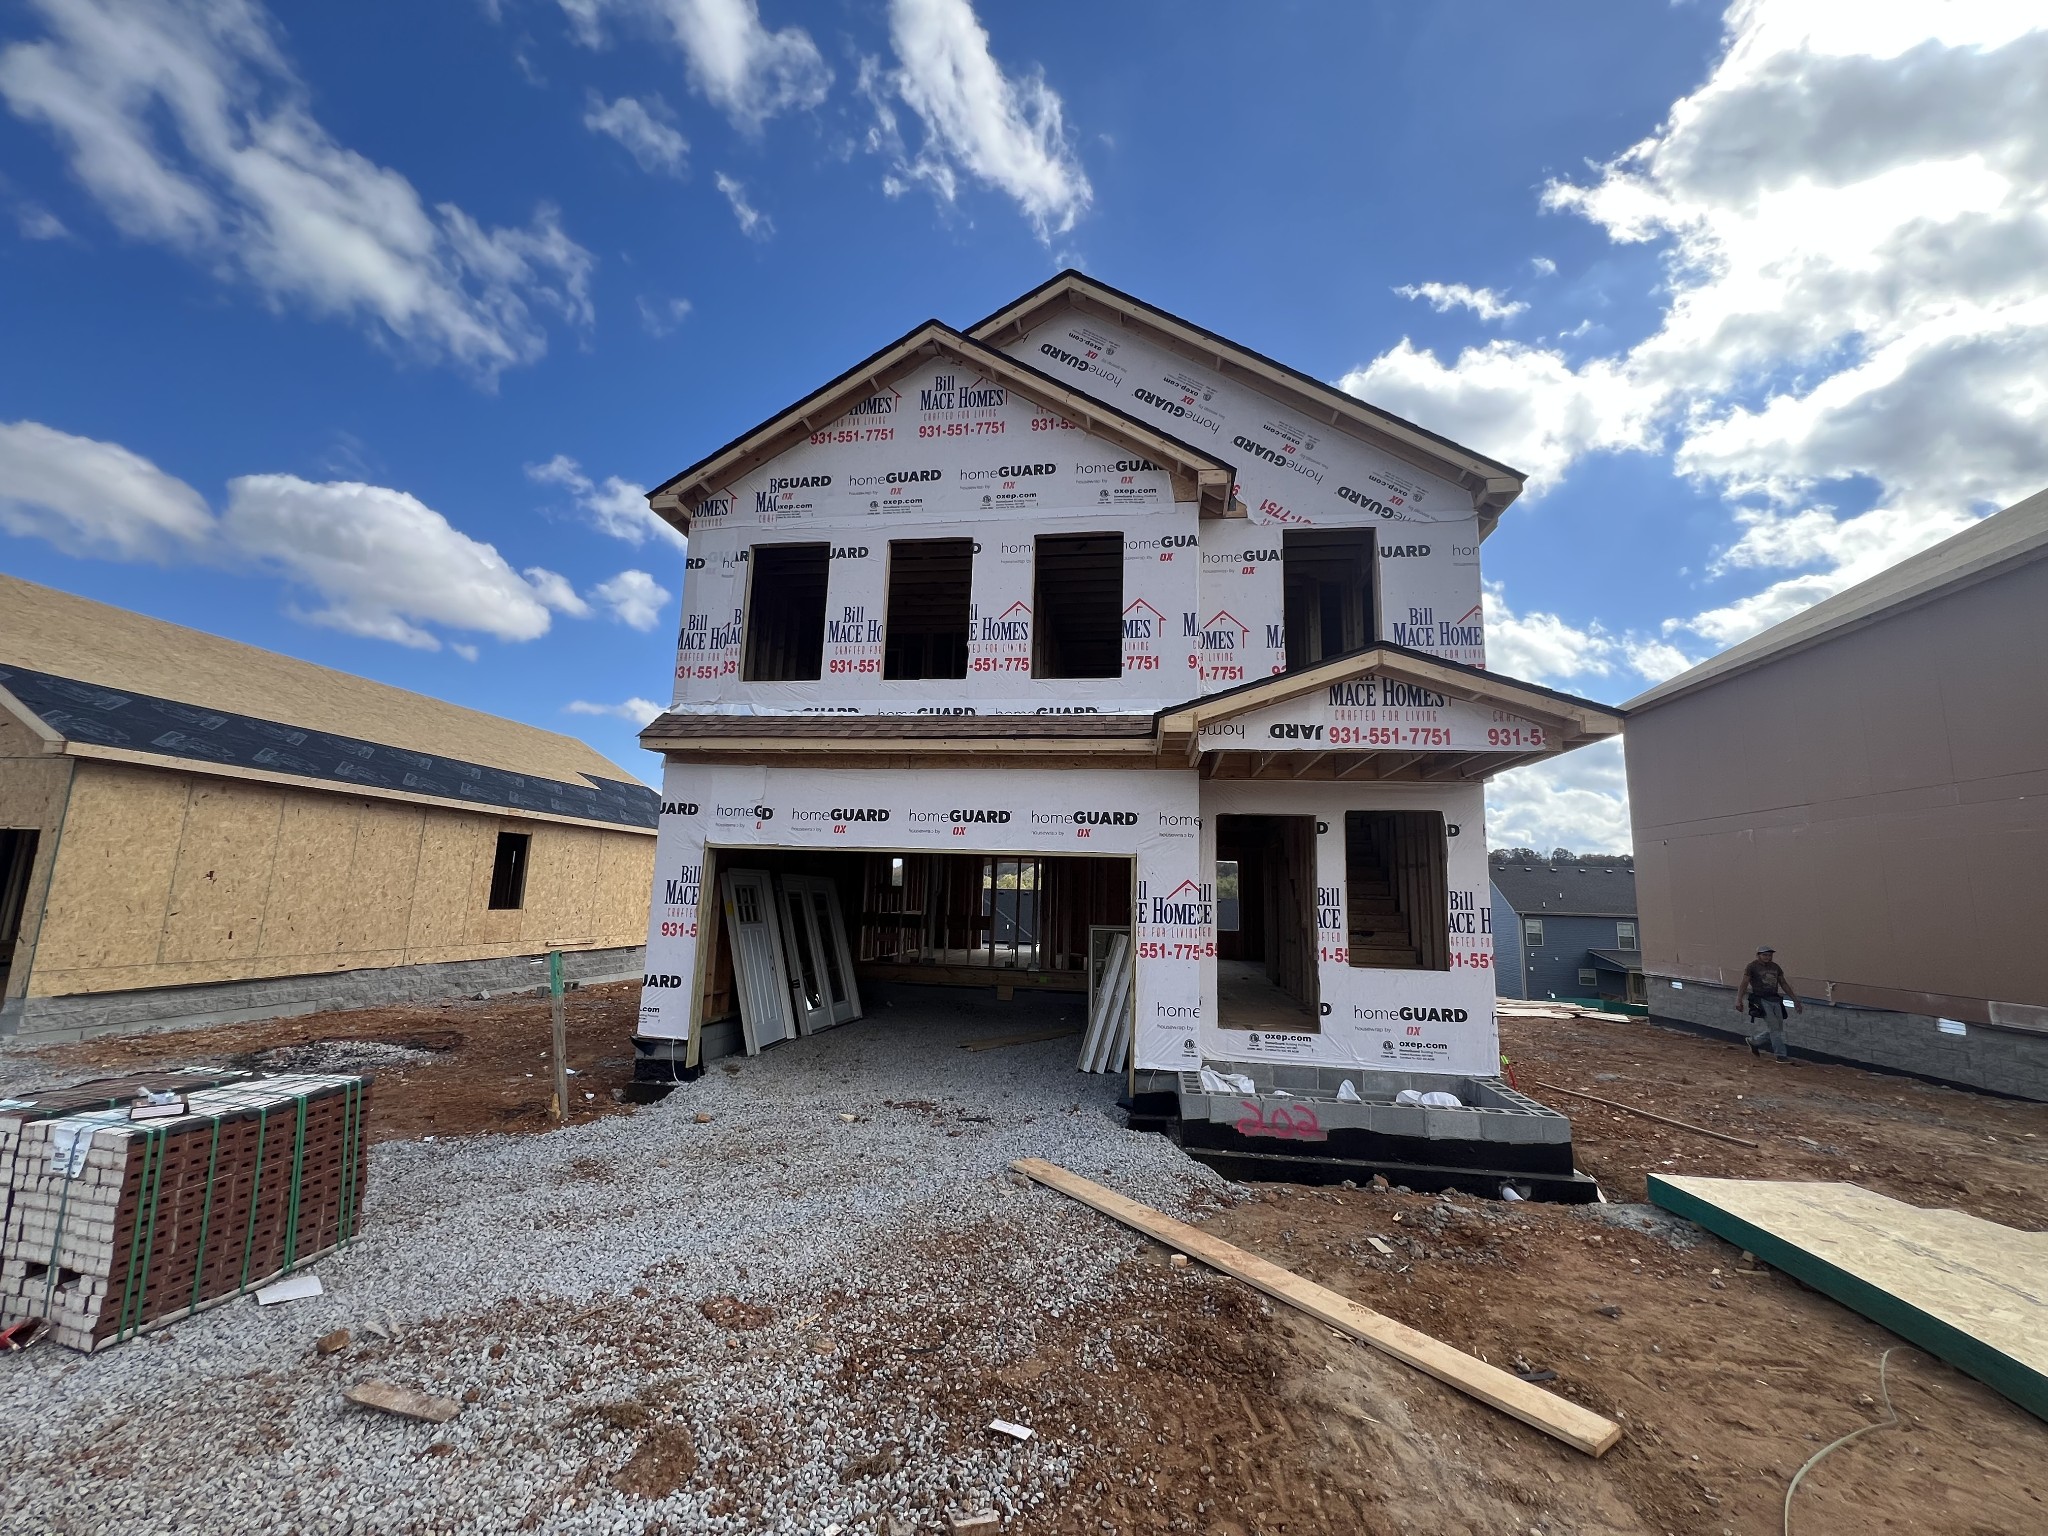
{"points": [[1198, 477], [1492, 485]]}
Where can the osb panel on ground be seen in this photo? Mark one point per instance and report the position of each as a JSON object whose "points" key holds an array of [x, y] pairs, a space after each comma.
{"points": [[1970, 1290]]}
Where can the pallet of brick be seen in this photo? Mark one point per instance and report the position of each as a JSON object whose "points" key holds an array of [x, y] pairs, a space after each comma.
{"points": [[117, 1225], [78, 1098]]}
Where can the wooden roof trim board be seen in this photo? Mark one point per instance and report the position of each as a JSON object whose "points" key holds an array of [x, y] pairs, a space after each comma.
{"points": [[1198, 476], [1578, 720], [1492, 484], [93, 752]]}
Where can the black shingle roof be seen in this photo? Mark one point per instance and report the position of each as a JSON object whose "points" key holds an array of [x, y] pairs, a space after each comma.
{"points": [[1575, 890], [163, 728]]}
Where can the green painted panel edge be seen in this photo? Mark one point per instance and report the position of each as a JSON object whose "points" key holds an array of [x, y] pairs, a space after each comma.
{"points": [[1999, 1371]]}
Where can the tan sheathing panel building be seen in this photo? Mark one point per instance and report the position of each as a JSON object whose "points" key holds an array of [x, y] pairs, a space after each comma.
{"points": [[1866, 788], [164, 889], [71, 636]]}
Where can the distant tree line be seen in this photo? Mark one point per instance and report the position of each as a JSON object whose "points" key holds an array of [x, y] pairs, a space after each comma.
{"points": [[1561, 856]]}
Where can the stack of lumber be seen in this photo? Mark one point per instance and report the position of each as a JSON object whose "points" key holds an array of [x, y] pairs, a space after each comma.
{"points": [[1514, 1008], [110, 1224], [1106, 1046]]}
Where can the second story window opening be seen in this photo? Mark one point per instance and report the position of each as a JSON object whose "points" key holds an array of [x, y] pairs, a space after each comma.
{"points": [[1078, 606], [785, 639], [1329, 596], [929, 585]]}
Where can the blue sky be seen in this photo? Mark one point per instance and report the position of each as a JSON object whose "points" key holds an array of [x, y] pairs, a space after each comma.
{"points": [[354, 332]]}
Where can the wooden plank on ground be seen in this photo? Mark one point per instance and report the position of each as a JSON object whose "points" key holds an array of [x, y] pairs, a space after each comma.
{"points": [[404, 1401], [1968, 1290], [1580, 1428], [1031, 1039], [1683, 1125]]}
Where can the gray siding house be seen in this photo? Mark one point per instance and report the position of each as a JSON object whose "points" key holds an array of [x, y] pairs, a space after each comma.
{"points": [[1565, 927]]}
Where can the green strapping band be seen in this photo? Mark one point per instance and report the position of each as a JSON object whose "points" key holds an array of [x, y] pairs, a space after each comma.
{"points": [[352, 1115], [255, 1189], [205, 1216], [291, 1218], [147, 1195]]}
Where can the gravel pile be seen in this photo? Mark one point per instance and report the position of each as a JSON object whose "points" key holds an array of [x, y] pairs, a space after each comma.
{"points": [[798, 1314], [370, 1056]]}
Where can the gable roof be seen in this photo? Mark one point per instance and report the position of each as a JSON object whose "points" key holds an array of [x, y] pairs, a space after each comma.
{"points": [[1565, 890], [2002, 542], [97, 681], [1574, 720], [1198, 476], [1492, 484]]}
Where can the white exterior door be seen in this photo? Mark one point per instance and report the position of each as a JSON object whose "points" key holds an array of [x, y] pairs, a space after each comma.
{"points": [[757, 958], [835, 955]]}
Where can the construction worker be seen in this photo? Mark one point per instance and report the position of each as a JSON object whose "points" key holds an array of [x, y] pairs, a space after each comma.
{"points": [[1765, 995]]}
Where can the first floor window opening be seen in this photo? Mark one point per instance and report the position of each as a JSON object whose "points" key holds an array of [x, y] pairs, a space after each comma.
{"points": [[1396, 890], [1078, 606], [926, 627], [508, 872], [17, 861], [1327, 580], [1266, 962], [785, 640]]}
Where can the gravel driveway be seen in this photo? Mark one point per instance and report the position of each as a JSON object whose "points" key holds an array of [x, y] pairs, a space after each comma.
{"points": [[782, 1319]]}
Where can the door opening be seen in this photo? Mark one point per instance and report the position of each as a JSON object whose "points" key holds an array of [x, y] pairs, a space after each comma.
{"points": [[17, 859], [1266, 967]]}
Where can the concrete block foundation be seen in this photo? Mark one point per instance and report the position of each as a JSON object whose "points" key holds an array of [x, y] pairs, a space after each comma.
{"points": [[1991, 1057], [50, 1020]]}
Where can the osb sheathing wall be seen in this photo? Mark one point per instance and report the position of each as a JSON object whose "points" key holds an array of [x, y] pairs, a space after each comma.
{"points": [[33, 785], [168, 879]]}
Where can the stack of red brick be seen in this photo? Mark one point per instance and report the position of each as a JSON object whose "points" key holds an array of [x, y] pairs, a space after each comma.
{"points": [[110, 1224]]}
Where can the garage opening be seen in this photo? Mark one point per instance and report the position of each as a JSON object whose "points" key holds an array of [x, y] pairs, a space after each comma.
{"points": [[1078, 606], [1327, 581], [1266, 932], [929, 583], [785, 641], [1396, 878], [835, 928]]}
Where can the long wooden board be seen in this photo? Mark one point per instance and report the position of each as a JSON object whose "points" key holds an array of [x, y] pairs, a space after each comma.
{"points": [[1580, 1428], [1968, 1290]]}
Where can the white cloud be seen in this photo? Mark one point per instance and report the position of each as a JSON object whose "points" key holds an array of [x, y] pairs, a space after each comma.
{"points": [[617, 507], [1542, 266], [188, 124], [1578, 801], [1007, 133], [379, 562], [658, 317], [93, 498], [1526, 406], [734, 61], [1854, 212], [634, 598], [754, 224], [553, 589], [637, 710], [382, 562], [642, 128], [38, 223], [1542, 646], [1444, 297]]}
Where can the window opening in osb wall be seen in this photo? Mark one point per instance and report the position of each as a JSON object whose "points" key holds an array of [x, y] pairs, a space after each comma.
{"points": [[1396, 890], [508, 872], [786, 612], [17, 861], [929, 581], [1327, 579], [1078, 606]]}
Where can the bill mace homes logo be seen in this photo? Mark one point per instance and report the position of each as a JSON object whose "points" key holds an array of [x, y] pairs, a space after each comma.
{"points": [[687, 887], [1143, 623], [1012, 625], [1222, 632], [947, 393], [1190, 904], [1373, 692]]}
